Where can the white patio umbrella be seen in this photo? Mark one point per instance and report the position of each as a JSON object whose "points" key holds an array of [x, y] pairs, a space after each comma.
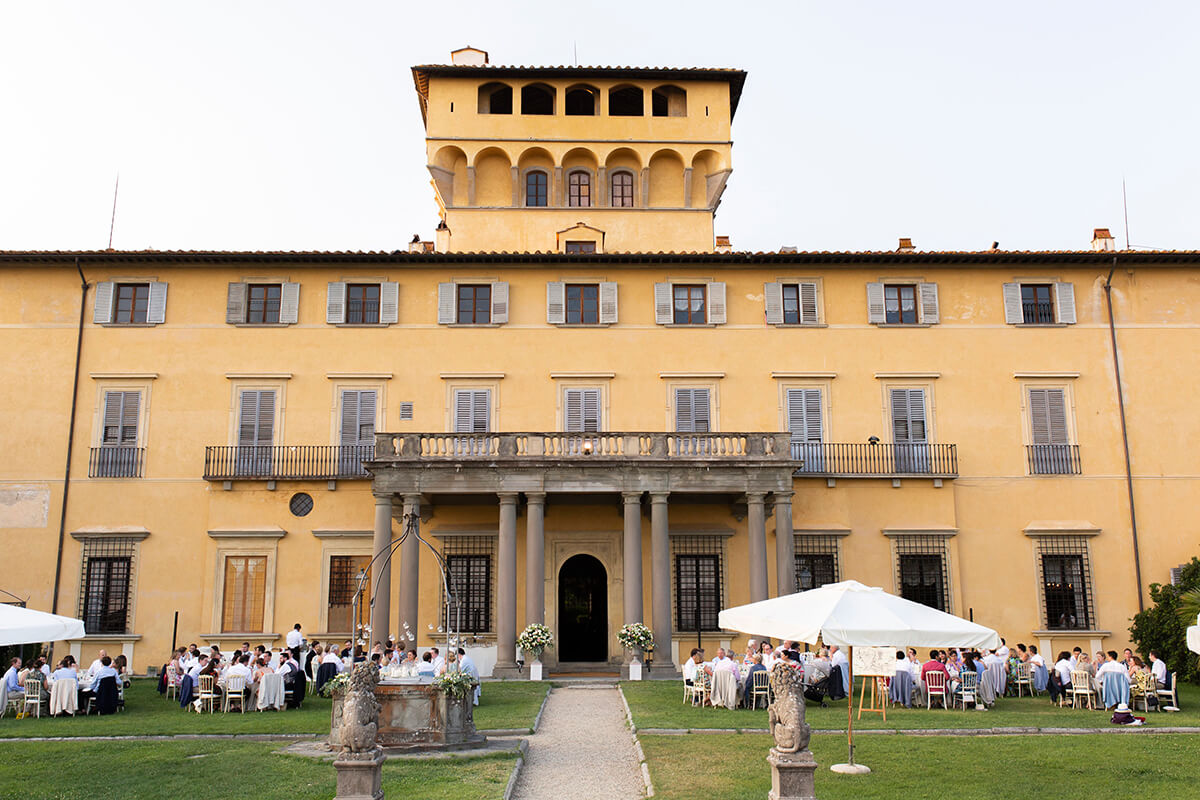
{"points": [[1193, 636], [850, 614], [25, 625]]}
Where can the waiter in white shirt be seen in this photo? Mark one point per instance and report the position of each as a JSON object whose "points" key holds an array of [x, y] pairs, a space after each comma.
{"points": [[295, 639]]}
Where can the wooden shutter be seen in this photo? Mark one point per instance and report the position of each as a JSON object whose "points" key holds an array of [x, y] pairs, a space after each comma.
{"points": [[929, 303], [715, 303], [358, 416], [556, 302], [104, 303], [808, 304], [608, 303], [692, 411], [1012, 304], [121, 418], [235, 304], [156, 311], [908, 416], [446, 304], [1048, 416], [662, 304], [389, 303], [256, 418], [335, 303], [499, 302], [1064, 299], [582, 410], [773, 302], [289, 306], [804, 415], [472, 412], [876, 314]]}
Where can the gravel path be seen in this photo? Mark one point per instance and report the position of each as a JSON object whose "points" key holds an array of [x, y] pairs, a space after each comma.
{"points": [[583, 749]]}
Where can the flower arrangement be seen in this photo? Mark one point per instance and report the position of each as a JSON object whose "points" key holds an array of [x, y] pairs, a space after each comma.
{"points": [[535, 638], [339, 681], [455, 683], [636, 636]]}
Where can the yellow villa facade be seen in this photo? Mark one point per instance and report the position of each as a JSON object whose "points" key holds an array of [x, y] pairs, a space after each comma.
{"points": [[583, 408]]}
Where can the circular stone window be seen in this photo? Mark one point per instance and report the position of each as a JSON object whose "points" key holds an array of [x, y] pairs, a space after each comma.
{"points": [[301, 504]]}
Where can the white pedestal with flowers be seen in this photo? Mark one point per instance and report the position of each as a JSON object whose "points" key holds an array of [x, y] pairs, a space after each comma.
{"points": [[636, 638], [533, 641]]}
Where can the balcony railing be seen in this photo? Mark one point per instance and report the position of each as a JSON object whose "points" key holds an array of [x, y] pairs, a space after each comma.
{"points": [[287, 462], [1037, 313], [582, 446], [1053, 459], [844, 459], [116, 462]]}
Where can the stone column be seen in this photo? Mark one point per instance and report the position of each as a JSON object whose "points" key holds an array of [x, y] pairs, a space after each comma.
{"points": [[687, 187], [633, 557], [785, 544], [557, 197], [470, 186], [602, 194], [506, 589], [381, 571], [660, 566], [645, 203], [535, 558], [410, 571], [516, 187], [756, 519]]}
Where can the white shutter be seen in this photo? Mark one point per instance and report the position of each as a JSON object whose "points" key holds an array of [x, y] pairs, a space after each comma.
{"points": [[462, 412], [700, 411], [104, 303], [908, 416], [256, 419], [773, 301], [289, 306], [929, 303], [1012, 304], [481, 416], [472, 410], [556, 305], [358, 417], [121, 418], [1048, 416], [446, 307], [389, 303], [715, 303], [156, 313], [581, 410], [808, 304], [1064, 298], [684, 422], [349, 430], [804, 415], [662, 304], [499, 302], [608, 303], [876, 314], [335, 303], [591, 410], [235, 304]]}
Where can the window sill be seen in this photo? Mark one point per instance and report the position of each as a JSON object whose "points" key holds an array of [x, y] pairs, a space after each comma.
{"points": [[801, 324], [1089, 633], [129, 324], [346, 325], [261, 324], [1040, 324], [109, 637], [690, 325], [583, 324], [471, 324], [245, 636], [903, 324]]}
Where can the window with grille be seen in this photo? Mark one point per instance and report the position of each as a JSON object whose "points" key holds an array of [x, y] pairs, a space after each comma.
{"points": [[622, 190], [474, 304], [689, 307], [244, 594], [1037, 303], [343, 587], [105, 584], [922, 570], [1066, 583], [263, 302], [699, 582], [535, 189], [580, 248], [121, 410], [579, 190], [362, 303], [469, 572], [816, 561], [583, 303], [133, 301]]}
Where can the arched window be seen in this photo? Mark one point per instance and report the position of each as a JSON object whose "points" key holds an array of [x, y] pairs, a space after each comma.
{"points": [[626, 101], [537, 98], [535, 189], [668, 101], [495, 98], [579, 189], [622, 190], [582, 101]]}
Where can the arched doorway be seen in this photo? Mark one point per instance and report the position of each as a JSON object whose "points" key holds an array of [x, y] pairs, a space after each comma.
{"points": [[582, 610]]}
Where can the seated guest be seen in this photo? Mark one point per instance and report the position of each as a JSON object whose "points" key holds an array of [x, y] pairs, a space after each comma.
{"points": [[239, 669], [105, 670], [756, 665], [751, 649], [1111, 664], [768, 655], [1022, 651], [66, 670], [901, 664], [691, 665], [121, 665], [194, 671], [98, 662], [1159, 668], [437, 659], [1135, 667], [425, 666], [1060, 677], [377, 659], [1035, 657], [818, 669], [1074, 659], [313, 652], [331, 657], [934, 664], [106, 698]]}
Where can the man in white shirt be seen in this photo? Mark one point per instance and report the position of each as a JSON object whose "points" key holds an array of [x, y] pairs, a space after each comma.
{"points": [[1111, 664], [96, 664], [1074, 659], [200, 664], [295, 639], [692, 665], [105, 671], [439, 661], [837, 658], [1003, 650], [1159, 668], [331, 657], [238, 669]]}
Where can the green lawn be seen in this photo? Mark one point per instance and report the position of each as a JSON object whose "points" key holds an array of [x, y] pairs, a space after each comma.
{"points": [[734, 765], [503, 705], [195, 768], [659, 704]]}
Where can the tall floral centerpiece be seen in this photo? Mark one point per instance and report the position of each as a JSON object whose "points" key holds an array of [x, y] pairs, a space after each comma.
{"points": [[635, 637], [535, 639]]}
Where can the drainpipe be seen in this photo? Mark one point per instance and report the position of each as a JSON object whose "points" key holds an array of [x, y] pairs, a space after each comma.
{"points": [[62, 521], [1112, 331]]}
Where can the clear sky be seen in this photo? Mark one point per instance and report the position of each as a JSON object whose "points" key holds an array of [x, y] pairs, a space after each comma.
{"points": [[294, 125]]}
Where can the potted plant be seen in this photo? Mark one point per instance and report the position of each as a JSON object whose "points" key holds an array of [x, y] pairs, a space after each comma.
{"points": [[533, 641], [635, 637]]}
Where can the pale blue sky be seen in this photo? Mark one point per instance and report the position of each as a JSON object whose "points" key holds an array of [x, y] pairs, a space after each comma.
{"points": [[294, 125]]}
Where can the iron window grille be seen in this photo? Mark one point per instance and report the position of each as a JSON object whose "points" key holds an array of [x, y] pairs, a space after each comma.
{"points": [[699, 578], [816, 559], [922, 570], [471, 576], [343, 586], [362, 304], [1066, 583], [1037, 304], [105, 583]]}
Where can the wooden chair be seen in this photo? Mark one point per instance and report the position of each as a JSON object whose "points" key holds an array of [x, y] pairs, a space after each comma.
{"points": [[1141, 688], [701, 688], [207, 695], [1081, 686], [935, 686], [33, 696], [172, 682], [968, 690], [1024, 678], [760, 686], [235, 692], [1170, 694]]}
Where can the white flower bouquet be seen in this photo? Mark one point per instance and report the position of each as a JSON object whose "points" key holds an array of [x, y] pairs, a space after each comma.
{"points": [[636, 636], [455, 683], [535, 639]]}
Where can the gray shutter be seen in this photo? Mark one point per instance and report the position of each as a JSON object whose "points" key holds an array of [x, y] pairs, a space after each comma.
{"points": [[876, 314], [389, 303], [1064, 298], [715, 303], [556, 304], [499, 302], [582, 410], [335, 303], [472, 413], [446, 307], [1012, 304], [121, 418], [104, 303], [156, 312], [358, 417], [608, 303], [808, 304], [804, 415], [1048, 416], [256, 422], [235, 304], [462, 411], [908, 416], [289, 306], [929, 303], [692, 411], [773, 301], [591, 410], [662, 304]]}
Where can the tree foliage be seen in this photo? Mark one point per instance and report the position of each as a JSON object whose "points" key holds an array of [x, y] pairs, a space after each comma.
{"points": [[1162, 627]]}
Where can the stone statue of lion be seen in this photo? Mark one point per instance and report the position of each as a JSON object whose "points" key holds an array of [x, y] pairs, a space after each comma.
{"points": [[360, 713], [785, 716]]}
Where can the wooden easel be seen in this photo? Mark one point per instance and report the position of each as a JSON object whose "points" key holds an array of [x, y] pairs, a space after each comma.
{"points": [[882, 697]]}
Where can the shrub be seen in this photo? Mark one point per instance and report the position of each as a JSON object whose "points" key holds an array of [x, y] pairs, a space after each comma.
{"points": [[1162, 628]]}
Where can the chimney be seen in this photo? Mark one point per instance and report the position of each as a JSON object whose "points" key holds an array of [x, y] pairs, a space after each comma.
{"points": [[469, 57], [906, 245], [1103, 240], [723, 245]]}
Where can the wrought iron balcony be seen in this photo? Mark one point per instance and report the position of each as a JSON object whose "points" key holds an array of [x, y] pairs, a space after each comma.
{"points": [[116, 462], [726, 447], [1053, 459], [287, 462], [850, 460]]}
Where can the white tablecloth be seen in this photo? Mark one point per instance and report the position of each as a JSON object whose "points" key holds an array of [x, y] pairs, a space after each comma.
{"points": [[270, 691]]}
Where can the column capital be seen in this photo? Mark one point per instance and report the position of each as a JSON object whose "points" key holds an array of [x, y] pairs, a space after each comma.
{"points": [[784, 497], [538, 498], [507, 498], [659, 497], [388, 498], [756, 497], [631, 498]]}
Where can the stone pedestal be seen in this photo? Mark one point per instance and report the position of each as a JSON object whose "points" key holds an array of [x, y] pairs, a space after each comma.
{"points": [[791, 775], [635, 670], [535, 670], [360, 778]]}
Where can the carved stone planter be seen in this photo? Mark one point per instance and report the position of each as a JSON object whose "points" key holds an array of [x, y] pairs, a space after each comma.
{"points": [[418, 716]]}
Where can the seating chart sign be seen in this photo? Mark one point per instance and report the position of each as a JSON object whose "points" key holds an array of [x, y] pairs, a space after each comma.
{"points": [[874, 661]]}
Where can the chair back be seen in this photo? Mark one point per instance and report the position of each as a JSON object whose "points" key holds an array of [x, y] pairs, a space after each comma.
{"points": [[105, 691], [235, 684], [1081, 680], [207, 684], [172, 674], [33, 688], [761, 681], [935, 682], [1024, 672], [970, 681]]}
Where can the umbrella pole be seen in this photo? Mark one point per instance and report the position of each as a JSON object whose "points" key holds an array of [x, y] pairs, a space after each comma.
{"points": [[850, 708]]}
